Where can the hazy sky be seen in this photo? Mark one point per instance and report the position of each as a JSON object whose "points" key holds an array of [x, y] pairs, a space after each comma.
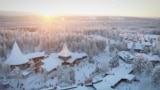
{"points": [[140, 8]]}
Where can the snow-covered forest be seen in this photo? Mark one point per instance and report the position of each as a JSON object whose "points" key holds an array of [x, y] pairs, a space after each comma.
{"points": [[124, 52]]}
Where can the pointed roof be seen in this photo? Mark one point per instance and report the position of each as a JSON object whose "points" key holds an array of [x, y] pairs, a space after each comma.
{"points": [[16, 57], [65, 51]]}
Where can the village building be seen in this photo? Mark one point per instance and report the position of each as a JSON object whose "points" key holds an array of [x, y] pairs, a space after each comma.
{"points": [[65, 57], [17, 59], [70, 58], [36, 58], [65, 54], [136, 46], [126, 56], [155, 59], [51, 63], [110, 82]]}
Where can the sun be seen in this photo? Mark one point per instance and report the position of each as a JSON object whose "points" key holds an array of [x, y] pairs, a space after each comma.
{"points": [[48, 14]]}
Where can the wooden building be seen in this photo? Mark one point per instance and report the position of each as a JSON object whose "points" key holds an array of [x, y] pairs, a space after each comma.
{"points": [[17, 59]]}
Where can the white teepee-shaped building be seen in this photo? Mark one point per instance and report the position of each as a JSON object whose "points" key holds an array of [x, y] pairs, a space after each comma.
{"points": [[16, 57], [65, 53]]}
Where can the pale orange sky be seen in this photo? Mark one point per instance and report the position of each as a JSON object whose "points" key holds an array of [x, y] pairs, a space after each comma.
{"points": [[138, 8]]}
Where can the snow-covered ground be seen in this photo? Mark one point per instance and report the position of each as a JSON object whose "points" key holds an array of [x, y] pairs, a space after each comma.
{"points": [[84, 70]]}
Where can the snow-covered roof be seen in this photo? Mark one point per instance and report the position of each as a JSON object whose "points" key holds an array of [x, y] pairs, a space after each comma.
{"points": [[98, 37], [150, 36], [129, 77], [154, 58], [25, 72], [138, 45], [51, 62], [149, 57], [65, 51], [80, 88], [69, 87], [112, 41], [146, 43], [76, 56], [102, 86], [124, 54], [35, 55], [16, 57], [119, 74]]}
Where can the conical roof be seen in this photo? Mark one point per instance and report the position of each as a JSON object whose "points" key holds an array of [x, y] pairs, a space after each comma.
{"points": [[65, 51], [16, 57]]}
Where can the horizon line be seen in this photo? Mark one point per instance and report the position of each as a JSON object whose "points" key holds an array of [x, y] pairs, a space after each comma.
{"points": [[23, 13]]}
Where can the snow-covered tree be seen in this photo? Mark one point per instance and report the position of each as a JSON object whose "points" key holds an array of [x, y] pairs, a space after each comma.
{"points": [[114, 62], [155, 76], [44, 76], [138, 65], [148, 67], [104, 66], [146, 50], [72, 75], [59, 72], [132, 48], [17, 73], [66, 74], [127, 59], [111, 48], [97, 69], [5, 70]]}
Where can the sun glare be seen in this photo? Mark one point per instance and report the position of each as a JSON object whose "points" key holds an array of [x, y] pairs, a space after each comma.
{"points": [[48, 14]]}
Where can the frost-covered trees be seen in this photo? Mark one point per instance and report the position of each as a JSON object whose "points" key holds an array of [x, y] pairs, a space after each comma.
{"points": [[114, 62], [128, 59], [122, 46], [66, 74], [104, 66], [146, 50], [148, 67], [155, 76], [44, 76], [142, 66], [97, 69], [5, 70], [138, 65], [17, 73], [111, 48], [59, 72], [50, 40], [132, 48], [72, 75]]}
